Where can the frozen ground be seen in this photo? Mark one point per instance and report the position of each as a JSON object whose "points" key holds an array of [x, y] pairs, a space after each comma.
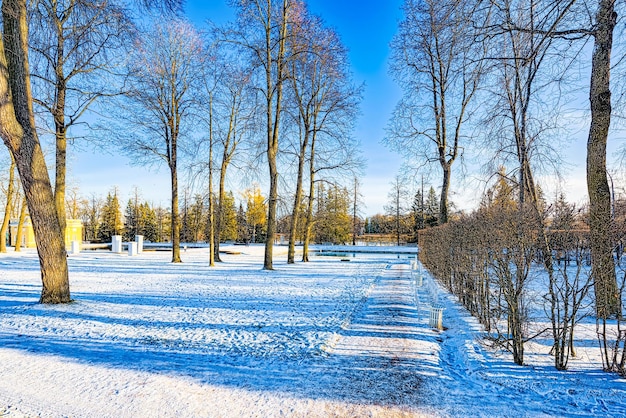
{"points": [[146, 338]]}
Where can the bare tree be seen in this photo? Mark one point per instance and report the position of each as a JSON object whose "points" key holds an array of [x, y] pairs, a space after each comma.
{"points": [[264, 27], [440, 67], [228, 86], [314, 72], [18, 132], [74, 48], [164, 72], [603, 267], [356, 210], [17, 128]]}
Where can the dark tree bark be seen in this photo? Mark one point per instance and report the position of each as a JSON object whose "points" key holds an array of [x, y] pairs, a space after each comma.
{"points": [[603, 267]]}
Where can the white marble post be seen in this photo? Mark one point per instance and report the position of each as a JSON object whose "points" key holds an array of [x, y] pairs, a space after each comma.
{"points": [[139, 241], [116, 244], [132, 248], [75, 247]]}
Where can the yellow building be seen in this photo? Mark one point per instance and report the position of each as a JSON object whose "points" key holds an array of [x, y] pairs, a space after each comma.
{"points": [[73, 232]]}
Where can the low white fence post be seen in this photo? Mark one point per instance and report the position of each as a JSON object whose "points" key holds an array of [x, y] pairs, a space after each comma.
{"points": [[132, 249], [116, 244], [139, 241], [75, 247], [436, 318]]}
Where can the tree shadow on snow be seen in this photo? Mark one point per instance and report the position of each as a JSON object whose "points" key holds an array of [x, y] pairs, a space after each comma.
{"points": [[310, 373]]}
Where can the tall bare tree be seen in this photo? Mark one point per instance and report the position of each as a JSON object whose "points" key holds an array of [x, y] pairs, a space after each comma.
{"points": [[74, 45], [17, 128], [165, 69], [264, 27], [438, 63], [315, 72], [397, 206], [228, 87], [603, 267], [356, 209]]}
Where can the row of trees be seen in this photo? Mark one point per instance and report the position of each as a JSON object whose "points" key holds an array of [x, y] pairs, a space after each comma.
{"points": [[103, 218], [502, 72], [244, 223], [278, 72], [487, 259], [405, 215], [272, 87]]}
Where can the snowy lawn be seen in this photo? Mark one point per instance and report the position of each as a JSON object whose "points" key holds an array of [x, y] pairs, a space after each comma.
{"points": [[185, 331], [146, 338]]}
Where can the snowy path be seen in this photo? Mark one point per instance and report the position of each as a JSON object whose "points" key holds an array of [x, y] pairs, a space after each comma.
{"points": [[383, 347]]}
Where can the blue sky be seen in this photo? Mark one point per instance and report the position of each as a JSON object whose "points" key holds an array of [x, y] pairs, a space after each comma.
{"points": [[366, 28]]}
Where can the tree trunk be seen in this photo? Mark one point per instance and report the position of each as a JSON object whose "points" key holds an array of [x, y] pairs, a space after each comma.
{"points": [[220, 211], [8, 208], [308, 228], [212, 232], [17, 128], [175, 222], [273, 123], [20, 227], [60, 131], [603, 267], [293, 227], [271, 211], [445, 191], [354, 210]]}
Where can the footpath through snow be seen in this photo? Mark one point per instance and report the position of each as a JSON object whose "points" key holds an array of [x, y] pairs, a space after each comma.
{"points": [[332, 339]]}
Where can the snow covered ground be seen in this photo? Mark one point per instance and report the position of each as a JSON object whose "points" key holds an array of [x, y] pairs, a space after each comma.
{"points": [[146, 338]]}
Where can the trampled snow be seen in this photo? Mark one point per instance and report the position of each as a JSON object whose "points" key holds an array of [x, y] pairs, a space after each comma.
{"points": [[147, 338]]}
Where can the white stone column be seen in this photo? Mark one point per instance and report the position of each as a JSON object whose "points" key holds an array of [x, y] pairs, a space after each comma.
{"points": [[139, 241], [132, 248], [75, 247], [116, 244]]}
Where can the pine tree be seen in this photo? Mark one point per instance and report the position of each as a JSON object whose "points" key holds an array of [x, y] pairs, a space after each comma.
{"points": [[417, 213], [148, 223], [229, 218], [564, 214], [333, 223], [431, 207], [111, 219], [242, 225], [131, 226]]}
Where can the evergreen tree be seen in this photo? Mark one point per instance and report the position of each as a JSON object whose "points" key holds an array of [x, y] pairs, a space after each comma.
{"points": [[148, 223], [131, 227], [111, 219], [242, 225], [431, 207], [564, 214], [333, 223], [417, 213], [195, 219], [229, 214]]}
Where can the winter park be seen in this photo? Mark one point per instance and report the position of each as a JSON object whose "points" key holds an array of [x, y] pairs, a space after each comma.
{"points": [[305, 208]]}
